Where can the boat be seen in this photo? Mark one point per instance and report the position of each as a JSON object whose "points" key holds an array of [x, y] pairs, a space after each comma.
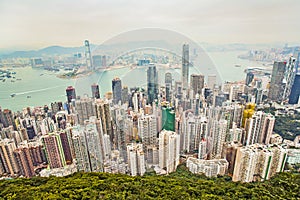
{"points": [[237, 65], [13, 95]]}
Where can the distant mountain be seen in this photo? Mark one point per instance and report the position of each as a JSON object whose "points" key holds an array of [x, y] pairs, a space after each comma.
{"points": [[52, 50], [113, 47]]}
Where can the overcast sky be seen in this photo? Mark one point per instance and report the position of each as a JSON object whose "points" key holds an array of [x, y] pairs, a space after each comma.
{"points": [[32, 24]]}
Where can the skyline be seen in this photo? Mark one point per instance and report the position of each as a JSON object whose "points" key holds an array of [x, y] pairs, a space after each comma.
{"points": [[37, 25]]}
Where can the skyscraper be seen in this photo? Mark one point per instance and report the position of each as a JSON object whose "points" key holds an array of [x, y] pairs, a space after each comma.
{"points": [[258, 162], [147, 129], [95, 91], [97, 61], [259, 128], [54, 150], [103, 113], [185, 66], [6, 118], [289, 78], [85, 109], [94, 145], [283, 75], [168, 118], [117, 90], [88, 55], [70, 93], [125, 94], [218, 134], [168, 84], [197, 83], [211, 81], [295, 91], [10, 164], [249, 78], [169, 147], [136, 159], [25, 161], [65, 140], [152, 83]]}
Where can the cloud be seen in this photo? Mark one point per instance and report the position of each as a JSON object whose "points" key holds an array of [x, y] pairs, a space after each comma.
{"points": [[35, 24]]}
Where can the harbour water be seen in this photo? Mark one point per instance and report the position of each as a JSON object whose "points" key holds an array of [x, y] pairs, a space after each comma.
{"points": [[38, 87]]}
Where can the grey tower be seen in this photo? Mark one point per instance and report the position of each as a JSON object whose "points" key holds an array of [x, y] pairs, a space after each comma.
{"points": [[117, 90], [185, 66], [152, 83], [95, 91], [197, 83], [168, 83], [88, 55], [283, 75]]}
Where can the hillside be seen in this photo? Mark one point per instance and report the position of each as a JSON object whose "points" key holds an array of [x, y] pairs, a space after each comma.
{"points": [[179, 185]]}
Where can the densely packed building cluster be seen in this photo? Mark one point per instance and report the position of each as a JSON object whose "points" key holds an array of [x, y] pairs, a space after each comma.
{"points": [[218, 130]]}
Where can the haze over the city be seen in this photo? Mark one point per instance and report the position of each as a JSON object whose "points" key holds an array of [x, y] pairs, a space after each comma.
{"points": [[37, 24]]}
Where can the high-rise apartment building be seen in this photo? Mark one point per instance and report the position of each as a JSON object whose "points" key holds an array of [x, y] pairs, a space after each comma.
{"points": [[7, 158], [210, 168], [259, 128], [54, 150], [6, 118], [103, 113], [147, 129], [218, 135], [24, 160], [136, 159], [85, 109], [169, 147], [258, 162]]}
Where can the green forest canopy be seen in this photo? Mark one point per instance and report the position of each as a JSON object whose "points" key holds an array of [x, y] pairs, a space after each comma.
{"points": [[179, 185]]}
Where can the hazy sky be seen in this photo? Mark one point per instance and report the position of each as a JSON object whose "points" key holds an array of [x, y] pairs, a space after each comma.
{"points": [[39, 23]]}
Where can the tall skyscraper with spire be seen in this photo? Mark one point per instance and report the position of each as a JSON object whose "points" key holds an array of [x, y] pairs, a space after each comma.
{"points": [[185, 66], [88, 55]]}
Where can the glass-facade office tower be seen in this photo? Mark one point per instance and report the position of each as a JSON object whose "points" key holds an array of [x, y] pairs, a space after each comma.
{"points": [[185, 65], [117, 90], [152, 83]]}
